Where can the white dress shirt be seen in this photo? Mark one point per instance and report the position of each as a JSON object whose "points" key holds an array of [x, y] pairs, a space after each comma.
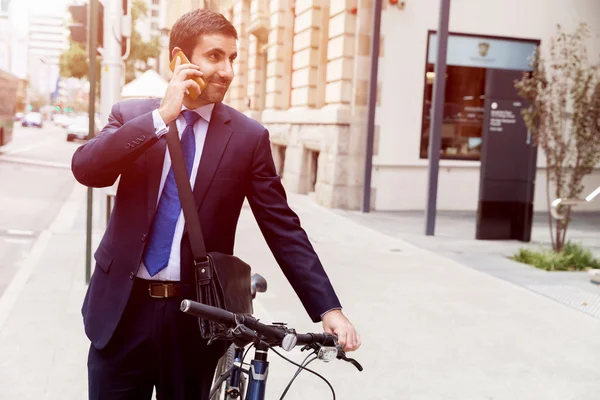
{"points": [[172, 271]]}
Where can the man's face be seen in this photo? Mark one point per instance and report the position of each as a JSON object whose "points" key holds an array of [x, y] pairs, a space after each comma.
{"points": [[214, 54]]}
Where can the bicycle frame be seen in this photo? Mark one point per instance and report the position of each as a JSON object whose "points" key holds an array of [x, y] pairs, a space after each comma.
{"points": [[259, 369], [235, 377], [257, 374]]}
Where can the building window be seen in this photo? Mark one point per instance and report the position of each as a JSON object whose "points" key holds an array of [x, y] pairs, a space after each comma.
{"points": [[279, 158], [156, 2], [313, 169], [154, 26], [463, 112], [469, 58], [155, 13], [4, 4]]}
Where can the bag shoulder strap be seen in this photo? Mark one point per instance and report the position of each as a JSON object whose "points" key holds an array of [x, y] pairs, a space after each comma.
{"points": [[186, 196]]}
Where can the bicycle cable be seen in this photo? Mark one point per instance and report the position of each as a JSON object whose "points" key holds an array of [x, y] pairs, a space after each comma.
{"points": [[244, 356], [305, 369], [304, 364]]}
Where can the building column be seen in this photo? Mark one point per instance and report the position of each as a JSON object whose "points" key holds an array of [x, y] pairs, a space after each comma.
{"points": [[305, 61], [238, 90], [360, 99], [340, 55], [228, 13], [338, 179], [306, 32], [279, 55], [258, 31]]}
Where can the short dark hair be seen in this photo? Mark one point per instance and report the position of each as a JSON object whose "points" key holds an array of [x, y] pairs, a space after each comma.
{"points": [[190, 26]]}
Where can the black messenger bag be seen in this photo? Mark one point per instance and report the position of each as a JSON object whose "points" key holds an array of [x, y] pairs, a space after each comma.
{"points": [[221, 280]]}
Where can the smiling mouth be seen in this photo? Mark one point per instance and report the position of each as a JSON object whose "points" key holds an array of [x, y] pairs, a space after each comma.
{"points": [[223, 85]]}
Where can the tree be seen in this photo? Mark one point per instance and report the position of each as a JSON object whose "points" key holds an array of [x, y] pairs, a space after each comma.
{"points": [[140, 51], [563, 91], [74, 61]]}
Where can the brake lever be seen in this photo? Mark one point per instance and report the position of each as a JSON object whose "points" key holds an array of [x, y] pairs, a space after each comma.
{"points": [[342, 356]]}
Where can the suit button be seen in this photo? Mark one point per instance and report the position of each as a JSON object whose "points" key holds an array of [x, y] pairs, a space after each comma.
{"points": [[131, 276], [127, 147], [144, 236]]}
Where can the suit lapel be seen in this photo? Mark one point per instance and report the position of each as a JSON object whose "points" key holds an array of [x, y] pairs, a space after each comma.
{"points": [[217, 138]]}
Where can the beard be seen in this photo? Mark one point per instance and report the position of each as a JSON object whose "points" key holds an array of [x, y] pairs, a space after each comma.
{"points": [[215, 90]]}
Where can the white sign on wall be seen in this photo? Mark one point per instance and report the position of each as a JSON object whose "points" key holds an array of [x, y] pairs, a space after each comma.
{"points": [[482, 52]]}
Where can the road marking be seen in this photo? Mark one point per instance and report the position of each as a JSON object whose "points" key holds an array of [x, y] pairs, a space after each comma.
{"points": [[27, 148], [16, 241], [16, 286], [65, 217], [18, 232], [38, 163]]}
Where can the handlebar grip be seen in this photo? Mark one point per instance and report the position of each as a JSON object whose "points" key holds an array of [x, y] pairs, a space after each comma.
{"points": [[309, 338], [207, 312]]}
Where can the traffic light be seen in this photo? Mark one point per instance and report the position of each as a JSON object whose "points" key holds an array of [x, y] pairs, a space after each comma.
{"points": [[79, 25]]}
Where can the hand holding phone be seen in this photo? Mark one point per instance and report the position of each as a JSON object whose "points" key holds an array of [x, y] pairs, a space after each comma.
{"points": [[193, 93], [186, 80]]}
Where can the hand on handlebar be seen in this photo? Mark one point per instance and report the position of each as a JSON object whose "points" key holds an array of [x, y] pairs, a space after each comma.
{"points": [[336, 323]]}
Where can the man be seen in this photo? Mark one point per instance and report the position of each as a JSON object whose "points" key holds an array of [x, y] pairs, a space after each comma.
{"points": [[140, 339]]}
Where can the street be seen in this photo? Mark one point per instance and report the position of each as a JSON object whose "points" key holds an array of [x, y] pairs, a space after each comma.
{"points": [[432, 327], [34, 183]]}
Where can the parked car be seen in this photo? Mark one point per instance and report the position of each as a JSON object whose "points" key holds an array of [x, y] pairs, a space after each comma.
{"points": [[62, 120], [79, 128], [33, 119], [19, 117]]}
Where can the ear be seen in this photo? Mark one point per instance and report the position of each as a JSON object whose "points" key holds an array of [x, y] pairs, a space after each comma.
{"points": [[175, 51]]}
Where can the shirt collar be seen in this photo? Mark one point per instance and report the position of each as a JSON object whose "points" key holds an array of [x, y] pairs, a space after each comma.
{"points": [[205, 111]]}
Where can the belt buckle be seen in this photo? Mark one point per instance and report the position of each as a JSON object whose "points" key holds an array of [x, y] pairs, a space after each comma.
{"points": [[164, 285]]}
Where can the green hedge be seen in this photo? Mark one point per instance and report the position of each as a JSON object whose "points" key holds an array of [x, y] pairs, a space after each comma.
{"points": [[573, 257]]}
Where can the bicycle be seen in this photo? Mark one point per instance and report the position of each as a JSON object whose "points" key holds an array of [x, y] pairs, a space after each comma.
{"points": [[245, 330], [229, 382]]}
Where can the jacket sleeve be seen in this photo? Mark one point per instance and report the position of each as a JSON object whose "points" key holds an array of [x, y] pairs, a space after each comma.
{"points": [[99, 162], [285, 237]]}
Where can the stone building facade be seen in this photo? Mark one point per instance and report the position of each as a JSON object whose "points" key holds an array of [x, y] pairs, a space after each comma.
{"points": [[303, 71]]}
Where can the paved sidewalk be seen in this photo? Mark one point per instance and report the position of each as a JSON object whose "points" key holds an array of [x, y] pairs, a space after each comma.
{"points": [[455, 239], [432, 328]]}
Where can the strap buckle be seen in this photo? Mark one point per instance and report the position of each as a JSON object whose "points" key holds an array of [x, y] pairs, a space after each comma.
{"points": [[202, 264], [203, 271]]}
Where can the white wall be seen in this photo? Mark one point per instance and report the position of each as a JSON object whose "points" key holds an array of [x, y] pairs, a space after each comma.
{"points": [[400, 177]]}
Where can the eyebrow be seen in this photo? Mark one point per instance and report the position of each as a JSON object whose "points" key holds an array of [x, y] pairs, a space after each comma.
{"points": [[220, 51]]}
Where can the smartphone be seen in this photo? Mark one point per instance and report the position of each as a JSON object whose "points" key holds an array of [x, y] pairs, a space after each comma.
{"points": [[193, 93]]}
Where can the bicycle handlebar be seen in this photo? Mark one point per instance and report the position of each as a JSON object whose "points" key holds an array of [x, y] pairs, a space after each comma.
{"points": [[228, 318]]}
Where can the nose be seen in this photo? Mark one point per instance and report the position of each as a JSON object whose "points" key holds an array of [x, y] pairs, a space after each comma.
{"points": [[226, 71]]}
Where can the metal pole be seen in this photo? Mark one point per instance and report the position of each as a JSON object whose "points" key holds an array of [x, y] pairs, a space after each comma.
{"points": [[110, 91], [366, 205], [92, 45], [437, 116]]}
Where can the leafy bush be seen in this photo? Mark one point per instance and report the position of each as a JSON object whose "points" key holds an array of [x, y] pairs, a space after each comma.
{"points": [[573, 257]]}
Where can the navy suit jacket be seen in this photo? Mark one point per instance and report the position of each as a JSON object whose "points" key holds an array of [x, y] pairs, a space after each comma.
{"points": [[236, 163]]}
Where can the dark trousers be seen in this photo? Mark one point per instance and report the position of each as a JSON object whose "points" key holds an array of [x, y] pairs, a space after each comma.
{"points": [[155, 345]]}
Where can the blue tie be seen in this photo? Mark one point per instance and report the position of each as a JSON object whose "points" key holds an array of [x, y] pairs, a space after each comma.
{"points": [[156, 257]]}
